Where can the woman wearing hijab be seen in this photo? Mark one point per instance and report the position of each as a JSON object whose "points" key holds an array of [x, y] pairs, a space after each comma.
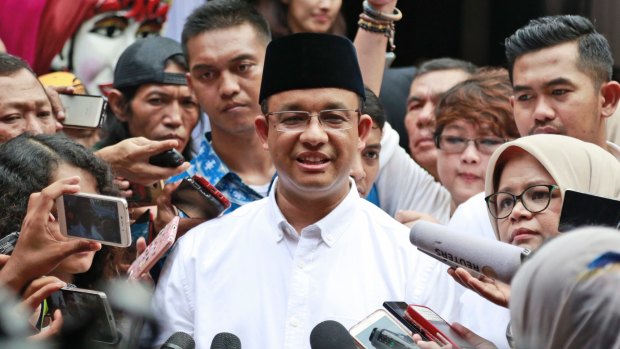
{"points": [[566, 296], [525, 185]]}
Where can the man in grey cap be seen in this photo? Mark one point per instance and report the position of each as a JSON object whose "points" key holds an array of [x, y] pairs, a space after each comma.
{"points": [[312, 250]]}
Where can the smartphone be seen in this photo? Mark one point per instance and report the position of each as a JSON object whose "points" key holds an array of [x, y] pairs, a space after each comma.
{"points": [[398, 311], [169, 158], [582, 209], [80, 307], [380, 330], [432, 325], [7, 243], [197, 198], [143, 195], [100, 218], [155, 250], [83, 111]]}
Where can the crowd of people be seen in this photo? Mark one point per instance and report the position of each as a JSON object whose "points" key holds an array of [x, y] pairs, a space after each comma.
{"points": [[321, 210]]}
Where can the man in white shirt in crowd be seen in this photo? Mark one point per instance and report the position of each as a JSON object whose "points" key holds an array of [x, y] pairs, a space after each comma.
{"points": [[312, 250]]}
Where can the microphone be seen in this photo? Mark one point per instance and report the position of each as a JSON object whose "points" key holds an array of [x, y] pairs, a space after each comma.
{"points": [[331, 335], [495, 259], [179, 340], [225, 340]]}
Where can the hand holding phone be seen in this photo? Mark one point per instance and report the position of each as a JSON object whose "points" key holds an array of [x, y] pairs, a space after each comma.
{"points": [[434, 327], [381, 330], [169, 158], [155, 250], [86, 309], [83, 111], [398, 311], [100, 218], [198, 198]]}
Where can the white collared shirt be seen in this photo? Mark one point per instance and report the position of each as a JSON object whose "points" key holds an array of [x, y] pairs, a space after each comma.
{"points": [[249, 273]]}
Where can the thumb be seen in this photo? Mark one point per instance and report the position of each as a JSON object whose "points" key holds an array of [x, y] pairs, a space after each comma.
{"points": [[76, 246]]}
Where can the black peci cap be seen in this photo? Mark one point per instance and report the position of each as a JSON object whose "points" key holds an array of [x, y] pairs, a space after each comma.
{"points": [[310, 60], [144, 61]]}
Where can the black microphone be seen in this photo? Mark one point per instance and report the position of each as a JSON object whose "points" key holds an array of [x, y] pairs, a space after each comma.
{"points": [[495, 259], [179, 340], [331, 335], [225, 340]]}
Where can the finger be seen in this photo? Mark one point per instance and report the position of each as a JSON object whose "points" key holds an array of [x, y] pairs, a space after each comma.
{"points": [[121, 183], [53, 329], [53, 191], [404, 216], [35, 299], [140, 246], [73, 246], [3, 259], [57, 107], [37, 284], [156, 147]]}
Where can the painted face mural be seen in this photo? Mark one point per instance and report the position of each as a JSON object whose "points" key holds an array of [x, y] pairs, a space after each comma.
{"points": [[92, 52]]}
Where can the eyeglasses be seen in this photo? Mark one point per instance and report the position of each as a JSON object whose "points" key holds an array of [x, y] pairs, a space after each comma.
{"points": [[330, 120], [534, 199], [456, 144]]}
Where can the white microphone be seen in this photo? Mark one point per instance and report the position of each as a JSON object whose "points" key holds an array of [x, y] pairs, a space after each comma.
{"points": [[495, 259]]}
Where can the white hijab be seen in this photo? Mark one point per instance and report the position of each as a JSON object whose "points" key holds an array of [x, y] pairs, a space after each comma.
{"points": [[560, 300], [573, 164]]}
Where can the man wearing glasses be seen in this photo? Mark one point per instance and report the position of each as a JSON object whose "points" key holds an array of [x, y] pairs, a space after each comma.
{"points": [[312, 250]]}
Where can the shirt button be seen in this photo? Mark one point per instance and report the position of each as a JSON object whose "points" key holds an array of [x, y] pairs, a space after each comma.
{"points": [[294, 322], [300, 265]]}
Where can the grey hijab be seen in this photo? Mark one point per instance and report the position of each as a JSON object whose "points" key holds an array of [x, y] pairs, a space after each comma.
{"points": [[568, 294]]}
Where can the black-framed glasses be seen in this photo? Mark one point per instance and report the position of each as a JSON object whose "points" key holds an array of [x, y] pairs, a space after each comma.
{"points": [[535, 199], [329, 119], [458, 144]]}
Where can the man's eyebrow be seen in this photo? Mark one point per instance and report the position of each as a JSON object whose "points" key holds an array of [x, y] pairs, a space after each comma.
{"points": [[550, 83]]}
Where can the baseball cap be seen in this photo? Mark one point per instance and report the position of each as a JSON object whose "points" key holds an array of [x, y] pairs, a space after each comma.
{"points": [[144, 61]]}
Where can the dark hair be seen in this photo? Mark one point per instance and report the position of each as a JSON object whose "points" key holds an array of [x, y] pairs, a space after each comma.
{"points": [[28, 164], [595, 57], [281, 28], [445, 63], [9, 65], [482, 100], [115, 130], [374, 108], [221, 14]]}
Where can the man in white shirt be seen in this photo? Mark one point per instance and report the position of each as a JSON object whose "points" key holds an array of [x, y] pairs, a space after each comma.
{"points": [[312, 250]]}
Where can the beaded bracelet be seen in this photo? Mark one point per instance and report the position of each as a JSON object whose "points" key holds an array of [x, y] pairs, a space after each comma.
{"points": [[386, 29], [382, 16]]}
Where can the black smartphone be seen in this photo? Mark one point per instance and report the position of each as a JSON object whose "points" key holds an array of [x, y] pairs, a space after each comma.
{"points": [[398, 310], [198, 198], [169, 158], [582, 209], [88, 309]]}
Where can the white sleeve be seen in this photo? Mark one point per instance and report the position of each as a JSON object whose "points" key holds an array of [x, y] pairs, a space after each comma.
{"points": [[173, 300], [404, 185]]}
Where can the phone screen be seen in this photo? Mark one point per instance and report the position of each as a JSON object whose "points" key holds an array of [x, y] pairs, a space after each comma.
{"points": [[92, 218], [384, 333], [80, 308], [442, 326]]}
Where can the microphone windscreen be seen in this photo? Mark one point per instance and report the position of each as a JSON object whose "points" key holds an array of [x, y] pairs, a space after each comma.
{"points": [[179, 340], [331, 335], [225, 340], [492, 258]]}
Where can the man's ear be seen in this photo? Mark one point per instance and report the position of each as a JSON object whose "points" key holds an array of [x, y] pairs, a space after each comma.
{"points": [[262, 130], [363, 129], [115, 100], [610, 95]]}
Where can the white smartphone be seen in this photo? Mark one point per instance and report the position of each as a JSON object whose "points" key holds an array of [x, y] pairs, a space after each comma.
{"points": [[100, 218], [81, 306], [155, 250], [83, 111], [380, 330]]}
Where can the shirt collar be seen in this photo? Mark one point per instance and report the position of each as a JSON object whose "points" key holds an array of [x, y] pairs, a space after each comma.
{"points": [[332, 226]]}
